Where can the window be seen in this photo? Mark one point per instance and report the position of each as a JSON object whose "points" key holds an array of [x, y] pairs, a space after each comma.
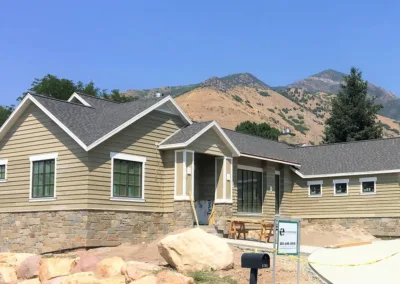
{"points": [[127, 177], [340, 187], [315, 188], [250, 193], [43, 177], [368, 185], [3, 170]]}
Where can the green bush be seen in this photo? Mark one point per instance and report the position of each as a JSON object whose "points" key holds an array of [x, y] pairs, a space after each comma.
{"points": [[271, 110], [264, 93], [300, 116], [237, 98]]}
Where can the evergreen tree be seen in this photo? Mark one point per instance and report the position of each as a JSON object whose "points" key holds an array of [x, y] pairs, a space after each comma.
{"points": [[263, 130], [353, 114]]}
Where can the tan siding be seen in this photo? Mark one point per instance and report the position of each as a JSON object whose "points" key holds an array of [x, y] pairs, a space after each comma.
{"points": [[189, 178], [35, 133], [179, 173], [385, 202], [140, 139], [209, 143], [220, 177], [228, 182]]}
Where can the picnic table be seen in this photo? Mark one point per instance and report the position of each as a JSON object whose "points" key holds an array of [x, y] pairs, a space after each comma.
{"points": [[238, 226]]}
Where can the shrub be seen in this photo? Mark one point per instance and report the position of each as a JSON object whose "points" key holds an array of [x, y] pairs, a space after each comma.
{"points": [[237, 98], [271, 110], [264, 93]]}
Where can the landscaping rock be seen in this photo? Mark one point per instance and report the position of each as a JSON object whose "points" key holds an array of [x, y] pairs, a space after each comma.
{"points": [[7, 275], [196, 250], [30, 281], [151, 279], [13, 259], [86, 262], [113, 280], [54, 267], [29, 267], [80, 278], [56, 280], [132, 273], [168, 276], [110, 267], [144, 266]]}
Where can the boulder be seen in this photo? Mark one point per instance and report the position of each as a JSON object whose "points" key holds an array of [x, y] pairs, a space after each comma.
{"points": [[13, 259], [80, 278], [132, 273], [7, 275], [29, 267], [54, 267], [86, 262], [196, 250], [151, 279], [110, 267], [112, 280], [56, 280], [168, 276], [30, 281], [144, 266]]}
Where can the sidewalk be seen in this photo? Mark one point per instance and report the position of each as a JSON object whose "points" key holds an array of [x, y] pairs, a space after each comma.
{"points": [[386, 270], [262, 245]]}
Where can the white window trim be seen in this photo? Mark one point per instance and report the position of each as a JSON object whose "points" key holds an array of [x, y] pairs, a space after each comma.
{"points": [[184, 176], [224, 199], [335, 181], [43, 157], [278, 173], [249, 168], [314, 182], [131, 158], [368, 179], [4, 162]]}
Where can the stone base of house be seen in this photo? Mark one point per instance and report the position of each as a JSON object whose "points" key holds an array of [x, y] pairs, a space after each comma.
{"points": [[222, 211], [41, 232], [377, 226]]}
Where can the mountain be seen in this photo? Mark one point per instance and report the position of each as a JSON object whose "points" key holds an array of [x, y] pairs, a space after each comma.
{"points": [[301, 107], [329, 81]]}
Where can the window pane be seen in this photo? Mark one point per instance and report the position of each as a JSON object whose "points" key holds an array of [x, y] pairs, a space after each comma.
{"points": [[249, 185], [43, 178], [341, 188], [2, 171], [315, 189], [368, 186], [127, 179]]}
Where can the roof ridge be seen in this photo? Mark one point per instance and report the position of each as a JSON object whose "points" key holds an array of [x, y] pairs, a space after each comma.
{"points": [[348, 142], [59, 100], [259, 137], [95, 97]]}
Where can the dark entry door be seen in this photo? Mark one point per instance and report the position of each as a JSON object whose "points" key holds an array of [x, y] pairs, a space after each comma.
{"points": [[277, 193]]}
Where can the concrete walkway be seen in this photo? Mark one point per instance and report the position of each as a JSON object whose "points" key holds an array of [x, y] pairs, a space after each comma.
{"points": [[268, 246], [386, 271]]}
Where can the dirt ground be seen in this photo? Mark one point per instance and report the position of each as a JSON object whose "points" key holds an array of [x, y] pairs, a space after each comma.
{"points": [[148, 252]]}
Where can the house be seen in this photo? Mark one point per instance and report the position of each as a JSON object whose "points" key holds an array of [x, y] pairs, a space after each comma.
{"points": [[91, 172]]}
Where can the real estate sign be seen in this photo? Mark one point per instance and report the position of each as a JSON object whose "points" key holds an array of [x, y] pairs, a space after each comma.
{"points": [[288, 237]]}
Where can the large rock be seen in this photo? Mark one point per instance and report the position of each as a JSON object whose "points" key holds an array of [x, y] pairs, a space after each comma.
{"points": [[54, 267], [29, 267], [151, 279], [30, 281], [143, 266], [86, 262], [56, 280], [195, 250], [110, 267], [132, 273], [7, 275], [13, 259], [168, 276], [80, 278], [112, 280]]}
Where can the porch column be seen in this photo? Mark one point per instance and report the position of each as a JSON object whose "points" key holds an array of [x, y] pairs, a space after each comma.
{"points": [[223, 180], [184, 174]]}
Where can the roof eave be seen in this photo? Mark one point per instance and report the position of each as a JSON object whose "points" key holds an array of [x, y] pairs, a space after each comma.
{"points": [[344, 174], [270, 159]]}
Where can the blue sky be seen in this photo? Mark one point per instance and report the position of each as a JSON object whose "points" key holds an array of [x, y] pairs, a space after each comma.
{"points": [[144, 44]]}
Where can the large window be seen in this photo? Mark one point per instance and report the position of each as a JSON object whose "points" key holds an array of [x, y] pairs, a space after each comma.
{"points": [[368, 185], [340, 187], [250, 193], [127, 177], [43, 177]]}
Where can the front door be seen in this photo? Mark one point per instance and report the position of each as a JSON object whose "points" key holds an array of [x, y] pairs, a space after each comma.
{"points": [[277, 194]]}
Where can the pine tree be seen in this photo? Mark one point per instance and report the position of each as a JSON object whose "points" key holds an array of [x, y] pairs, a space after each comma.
{"points": [[353, 114]]}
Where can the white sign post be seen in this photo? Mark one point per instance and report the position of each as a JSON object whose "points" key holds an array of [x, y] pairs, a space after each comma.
{"points": [[286, 241]]}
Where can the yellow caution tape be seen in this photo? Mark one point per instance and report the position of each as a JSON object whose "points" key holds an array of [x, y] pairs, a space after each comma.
{"points": [[337, 265]]}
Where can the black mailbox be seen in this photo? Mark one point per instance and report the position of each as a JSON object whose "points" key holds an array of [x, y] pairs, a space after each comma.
{"points": [[255, 261]]}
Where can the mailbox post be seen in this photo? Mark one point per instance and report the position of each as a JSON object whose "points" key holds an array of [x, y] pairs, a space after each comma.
{"points": [[255, 261]]}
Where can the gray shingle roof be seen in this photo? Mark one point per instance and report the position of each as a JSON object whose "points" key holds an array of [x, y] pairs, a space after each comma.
{"points": [[257, 146], [91, 123], [184, 134], [351, 157]]}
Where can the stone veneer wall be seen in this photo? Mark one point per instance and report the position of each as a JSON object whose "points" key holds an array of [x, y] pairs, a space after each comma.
{"points": [[222, 210], [48, 231], [377, 226]]}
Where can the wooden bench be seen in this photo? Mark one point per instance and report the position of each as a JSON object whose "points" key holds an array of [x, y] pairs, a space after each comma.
{"points": [[238, 226]]}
